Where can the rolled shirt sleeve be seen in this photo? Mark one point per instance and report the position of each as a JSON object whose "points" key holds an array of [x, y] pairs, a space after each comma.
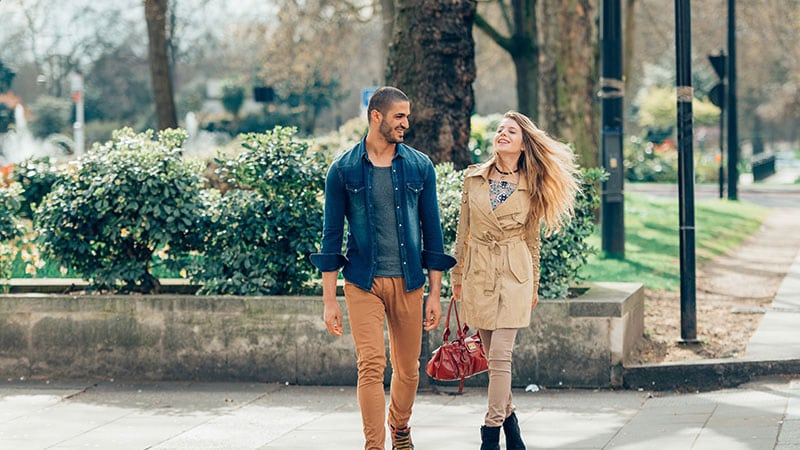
{"points": [[437, 261], [330, 257], [433, 256]]}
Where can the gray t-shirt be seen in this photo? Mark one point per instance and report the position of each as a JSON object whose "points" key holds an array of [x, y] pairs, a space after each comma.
{"points": [[389, 264]]}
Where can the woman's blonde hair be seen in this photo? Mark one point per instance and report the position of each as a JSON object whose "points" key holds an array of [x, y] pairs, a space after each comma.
{"points": [[551, 174]]}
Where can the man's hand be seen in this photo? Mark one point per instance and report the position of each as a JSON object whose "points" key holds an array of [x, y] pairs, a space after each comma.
{"points": [[433, 312], [333, 318], [333, 313]]}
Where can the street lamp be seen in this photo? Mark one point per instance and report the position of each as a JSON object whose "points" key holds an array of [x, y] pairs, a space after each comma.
{"points": [[717, 97]]}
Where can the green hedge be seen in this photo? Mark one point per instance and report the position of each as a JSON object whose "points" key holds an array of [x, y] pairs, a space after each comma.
{"points": [[136, 200], [111, 210], [258, 236], [36, 176]]}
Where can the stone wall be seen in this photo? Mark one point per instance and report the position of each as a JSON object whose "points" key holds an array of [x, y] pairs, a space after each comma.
{"points": [[579, 342]]}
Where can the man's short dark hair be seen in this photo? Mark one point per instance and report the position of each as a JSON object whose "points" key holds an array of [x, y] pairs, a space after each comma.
{"points": [[384, 98]]}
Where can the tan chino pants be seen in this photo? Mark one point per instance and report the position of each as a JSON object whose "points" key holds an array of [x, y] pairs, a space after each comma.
{"points": [[387, 301]]}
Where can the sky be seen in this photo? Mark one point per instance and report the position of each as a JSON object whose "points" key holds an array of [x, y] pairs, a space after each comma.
{"points": [[58, 22]]}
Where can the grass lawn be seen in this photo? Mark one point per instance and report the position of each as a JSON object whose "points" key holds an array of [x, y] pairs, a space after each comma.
{"points": [[652, 239]]}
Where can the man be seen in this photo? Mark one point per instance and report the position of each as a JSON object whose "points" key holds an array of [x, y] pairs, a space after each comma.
{"points": [[387, 192]]}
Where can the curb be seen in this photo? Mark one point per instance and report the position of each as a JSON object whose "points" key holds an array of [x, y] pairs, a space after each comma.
{"points": [[704, 375]]}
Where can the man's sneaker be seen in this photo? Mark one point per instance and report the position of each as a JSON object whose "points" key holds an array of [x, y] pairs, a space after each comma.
{"points": [[401, 439]]}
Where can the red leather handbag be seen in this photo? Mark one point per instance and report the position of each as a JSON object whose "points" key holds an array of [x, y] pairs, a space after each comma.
{"points": [[458, 359]]}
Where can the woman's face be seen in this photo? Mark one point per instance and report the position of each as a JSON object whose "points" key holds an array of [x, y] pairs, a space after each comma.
{"points": [[508, 138]]}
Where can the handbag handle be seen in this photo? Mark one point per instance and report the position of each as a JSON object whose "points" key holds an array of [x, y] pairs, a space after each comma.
{"points": [[461, 333]]}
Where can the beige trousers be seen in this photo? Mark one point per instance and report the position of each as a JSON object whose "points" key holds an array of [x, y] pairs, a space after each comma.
{"points": [[389, 301], [499, 345]]}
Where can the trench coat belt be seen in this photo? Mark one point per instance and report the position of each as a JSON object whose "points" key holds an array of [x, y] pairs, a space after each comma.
{"points": [[495, 247]]}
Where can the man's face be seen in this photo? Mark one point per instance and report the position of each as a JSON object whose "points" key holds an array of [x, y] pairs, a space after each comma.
{"points": [[395, 123]]}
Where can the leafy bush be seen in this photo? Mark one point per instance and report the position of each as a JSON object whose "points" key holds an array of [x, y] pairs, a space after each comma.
{"points": [[7, 255], [562, 254], [10, 228], [644, 161], [658, 163], [657, 110], [10, 203], [448, 190], [259, 235], [36, 176], [482, 131], [114, 207]]}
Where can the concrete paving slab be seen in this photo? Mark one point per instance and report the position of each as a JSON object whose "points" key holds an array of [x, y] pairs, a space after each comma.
{"points": [[166, 416], [776, 336]]}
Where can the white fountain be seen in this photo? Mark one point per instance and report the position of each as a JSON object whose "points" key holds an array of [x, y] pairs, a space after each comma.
{"points": [[19, 144], [201, 143], [191, 124]]}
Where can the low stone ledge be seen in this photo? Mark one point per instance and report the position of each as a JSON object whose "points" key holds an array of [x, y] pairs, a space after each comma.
{"points": [[706, 374], [67, 285], [579, 342]]}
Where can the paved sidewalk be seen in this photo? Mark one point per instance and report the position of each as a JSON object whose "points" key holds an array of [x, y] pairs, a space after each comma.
{"points": [[777, 336], [111, 415]]}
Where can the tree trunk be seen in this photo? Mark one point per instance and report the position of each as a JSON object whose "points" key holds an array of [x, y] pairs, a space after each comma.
{"points": [[525, 53], [387, 19], [570, 75], [432, 59], [526, 68], [523, 46], [155, 12]]}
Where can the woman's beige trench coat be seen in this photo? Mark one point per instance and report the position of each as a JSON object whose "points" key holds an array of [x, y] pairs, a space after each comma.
{"points": [[497, 255]]}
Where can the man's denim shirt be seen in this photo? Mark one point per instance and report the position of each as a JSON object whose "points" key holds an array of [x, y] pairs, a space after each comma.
{"points": [[348, 193]]}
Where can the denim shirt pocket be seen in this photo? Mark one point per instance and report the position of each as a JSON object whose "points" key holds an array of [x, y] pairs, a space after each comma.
{"points": [[414, 191], [355, 196]]}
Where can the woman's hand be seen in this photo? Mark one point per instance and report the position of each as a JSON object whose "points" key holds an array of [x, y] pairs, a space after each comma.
{"points": [[457, 292], [535, 300]]}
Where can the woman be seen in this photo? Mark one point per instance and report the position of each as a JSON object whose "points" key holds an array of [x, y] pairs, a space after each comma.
{"points": [[530, 182]]}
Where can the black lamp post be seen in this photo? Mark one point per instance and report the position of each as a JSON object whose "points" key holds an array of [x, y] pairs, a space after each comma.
{"points": [[611, 95]]}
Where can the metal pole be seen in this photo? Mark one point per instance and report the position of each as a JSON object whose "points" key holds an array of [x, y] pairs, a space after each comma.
{"points": [[683, 55], [733, 130], [722, 146], [611, 95], [78, 126]]}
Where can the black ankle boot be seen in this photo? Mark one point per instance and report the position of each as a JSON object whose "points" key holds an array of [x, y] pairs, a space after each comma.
{"points": [[490, 438], [513, 436]]}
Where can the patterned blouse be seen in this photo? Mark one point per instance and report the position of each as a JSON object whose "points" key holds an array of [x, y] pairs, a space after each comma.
{"points": [[499, 191]]}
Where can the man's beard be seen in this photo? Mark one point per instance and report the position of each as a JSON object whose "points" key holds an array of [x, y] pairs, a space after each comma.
{"points": [[388, 134]]}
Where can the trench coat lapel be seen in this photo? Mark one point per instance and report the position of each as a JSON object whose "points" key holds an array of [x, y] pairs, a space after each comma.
{"points": [[483, 203]]}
